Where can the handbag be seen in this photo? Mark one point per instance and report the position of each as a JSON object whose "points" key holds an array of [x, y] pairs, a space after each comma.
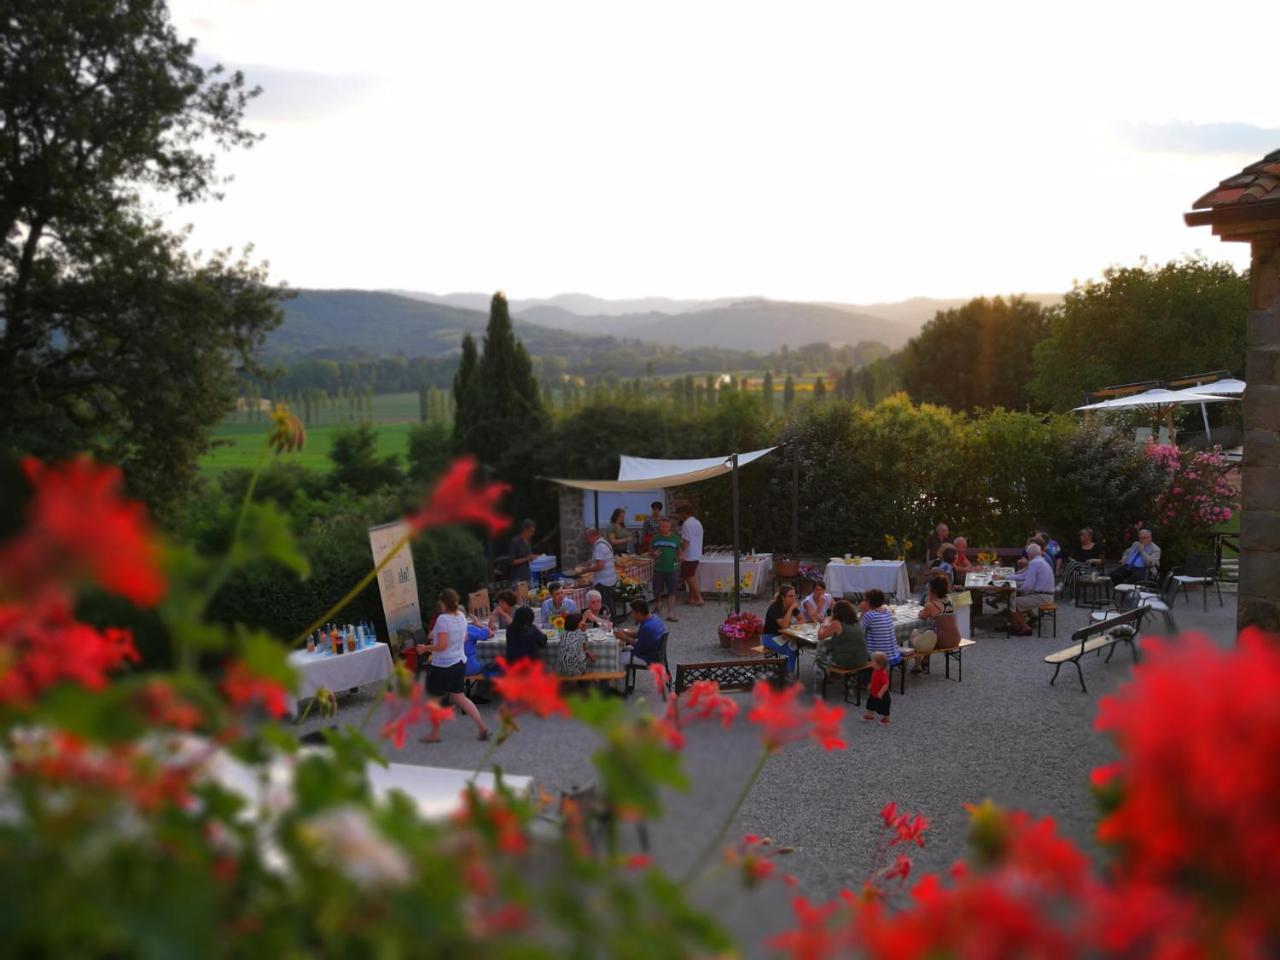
{"points": [[923, 641]]}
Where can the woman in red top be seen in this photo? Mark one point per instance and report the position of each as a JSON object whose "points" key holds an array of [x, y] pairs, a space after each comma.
{"points": [[878, 689]]}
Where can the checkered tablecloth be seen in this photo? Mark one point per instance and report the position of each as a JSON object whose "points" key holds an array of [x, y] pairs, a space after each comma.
{"points": [[600, 642], [639, 569]]}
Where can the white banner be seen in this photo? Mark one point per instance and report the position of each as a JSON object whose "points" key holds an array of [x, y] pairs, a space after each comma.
{"points": [[397, 582]]}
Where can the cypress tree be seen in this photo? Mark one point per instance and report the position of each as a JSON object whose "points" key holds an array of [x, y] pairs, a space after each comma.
{"points": [[767, 393], [820, 389], [465, 402], [788, 393]]}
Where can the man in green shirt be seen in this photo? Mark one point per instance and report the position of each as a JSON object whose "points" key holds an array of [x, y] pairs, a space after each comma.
{"points": [[666, 550]]}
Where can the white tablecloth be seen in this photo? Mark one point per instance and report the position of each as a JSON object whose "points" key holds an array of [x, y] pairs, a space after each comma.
{"points": [[887, 575], [719, 566], [906, 617], [339, 672]]}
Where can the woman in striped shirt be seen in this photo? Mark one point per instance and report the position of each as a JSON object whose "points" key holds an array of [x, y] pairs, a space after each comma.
{"points": [[877, 624]]}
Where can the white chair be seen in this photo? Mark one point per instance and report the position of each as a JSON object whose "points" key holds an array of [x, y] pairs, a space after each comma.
{"points": [[1202, 569]]}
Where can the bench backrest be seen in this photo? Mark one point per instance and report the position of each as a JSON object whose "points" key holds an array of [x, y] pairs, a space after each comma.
{"points": [[1130, 618], [730, 674]]}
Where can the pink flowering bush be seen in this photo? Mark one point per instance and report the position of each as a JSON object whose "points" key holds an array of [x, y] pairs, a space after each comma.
{"points": [[1198, 496]]}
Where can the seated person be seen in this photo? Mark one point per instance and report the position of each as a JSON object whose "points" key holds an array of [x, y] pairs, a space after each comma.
{"points": [[573, 655], [817, 606], [842, 642], [961, 563], [877, 624], [524, 640], [781, 615], [940, 612], [1035, 586], [643, 642], [504, 610], [594, 615], [945, 565], [476, 666], [1052, 551], [557, 604], [1089, 551], [1140, 562]]}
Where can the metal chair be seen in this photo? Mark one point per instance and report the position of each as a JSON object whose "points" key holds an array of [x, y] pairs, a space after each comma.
{"points": [[1202, 569], [633, 667]]}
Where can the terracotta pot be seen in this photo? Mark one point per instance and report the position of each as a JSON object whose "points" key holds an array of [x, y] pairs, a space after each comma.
{"points": [[786, 569], [741, 647], [726, 641]]}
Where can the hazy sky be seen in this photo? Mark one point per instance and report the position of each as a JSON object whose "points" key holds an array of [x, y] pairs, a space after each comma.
{"points": [[798, 150]]}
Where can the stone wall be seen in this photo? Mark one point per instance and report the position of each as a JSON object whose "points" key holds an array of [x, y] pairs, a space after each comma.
{"points": [[1260, 520]]}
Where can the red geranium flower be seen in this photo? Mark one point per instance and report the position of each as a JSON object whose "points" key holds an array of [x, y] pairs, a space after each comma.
{"points": [[706, 701], [243, 689], [527, 686], [411, 711], [457, 498], [783, 720], [79, 528]]}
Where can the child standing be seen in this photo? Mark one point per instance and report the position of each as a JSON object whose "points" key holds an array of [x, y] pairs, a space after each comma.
{"points": [[878, 689]]}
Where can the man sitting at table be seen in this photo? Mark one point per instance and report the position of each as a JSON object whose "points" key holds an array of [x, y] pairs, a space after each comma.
{"points": [[1140, 562], [644, 641], [557, 605], [504, 610], [1035, 587]]}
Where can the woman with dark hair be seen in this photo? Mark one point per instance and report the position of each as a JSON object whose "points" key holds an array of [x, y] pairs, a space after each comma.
{"points": [[941, 613], [842, 640], [616, 533], [448, 668], [782, 613], [524, 640], [573, 653]]}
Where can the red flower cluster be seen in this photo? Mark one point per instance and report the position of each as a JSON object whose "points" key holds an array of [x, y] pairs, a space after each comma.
{"points": [[756, 858], [783, 720], [411, 711], [41, 645], [119, 771], [493, 818], [527, 686], [904, 827], [457, 498], [705, 702], [1196, 793], [79, 528], [164, 708], [243, 689]]}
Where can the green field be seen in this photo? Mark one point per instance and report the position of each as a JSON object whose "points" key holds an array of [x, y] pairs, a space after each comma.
{"points": [[238, 445]]}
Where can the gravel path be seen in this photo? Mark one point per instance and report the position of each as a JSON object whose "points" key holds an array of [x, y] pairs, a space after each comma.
{"points": [[1003, 733]]}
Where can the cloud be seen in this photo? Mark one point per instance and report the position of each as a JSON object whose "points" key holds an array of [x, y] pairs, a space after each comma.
{"points": [[295, 96], [1202, 138]]}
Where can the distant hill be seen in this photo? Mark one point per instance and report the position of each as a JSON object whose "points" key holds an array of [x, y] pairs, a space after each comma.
{"points": [[577, 304], [337, 322]]}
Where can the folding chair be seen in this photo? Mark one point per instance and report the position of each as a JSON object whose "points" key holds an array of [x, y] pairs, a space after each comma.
{"points": [[1202, 569]]}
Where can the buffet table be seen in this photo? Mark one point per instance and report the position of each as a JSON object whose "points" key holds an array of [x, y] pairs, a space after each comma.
{"points": [[719, 567], [845, 577], [338, 672]]}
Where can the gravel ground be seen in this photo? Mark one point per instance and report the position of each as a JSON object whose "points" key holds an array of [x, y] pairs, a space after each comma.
{"points": [[1003, 733]]}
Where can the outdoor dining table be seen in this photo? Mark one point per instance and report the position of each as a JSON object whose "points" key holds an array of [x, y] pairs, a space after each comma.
{"points": [[715, 573], [602, 643], [844, 577], [338, 671]]}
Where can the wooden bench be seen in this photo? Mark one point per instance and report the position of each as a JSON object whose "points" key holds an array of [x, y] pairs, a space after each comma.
{"points": [[849, 675], [1123, 628], [730, 674], [603, 676]]}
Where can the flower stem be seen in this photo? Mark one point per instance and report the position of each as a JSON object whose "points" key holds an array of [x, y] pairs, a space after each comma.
{"points": [[352, 593], [699, 864], [484, 761]]}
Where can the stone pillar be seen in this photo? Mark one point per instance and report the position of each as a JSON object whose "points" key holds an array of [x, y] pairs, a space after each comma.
{"points": [[1259, 596]]}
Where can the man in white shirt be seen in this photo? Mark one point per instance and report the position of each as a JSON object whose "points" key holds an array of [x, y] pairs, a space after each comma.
{"points": [[601, 567], [691, 542]]}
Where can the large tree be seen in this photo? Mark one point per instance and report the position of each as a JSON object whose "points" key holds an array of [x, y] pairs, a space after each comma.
{"points": [[977, 355], [1143, 323], [114, 340]]}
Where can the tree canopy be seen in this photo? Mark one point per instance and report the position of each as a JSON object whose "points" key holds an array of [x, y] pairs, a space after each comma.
{"points": [[114, 340], [975, 356], [1143, 323]]}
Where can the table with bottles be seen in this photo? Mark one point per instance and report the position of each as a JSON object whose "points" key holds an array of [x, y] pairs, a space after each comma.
{"points": [[363, 660]]}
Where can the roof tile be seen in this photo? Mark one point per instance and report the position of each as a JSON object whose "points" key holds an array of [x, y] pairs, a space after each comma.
{"points": [[1259, 181]]}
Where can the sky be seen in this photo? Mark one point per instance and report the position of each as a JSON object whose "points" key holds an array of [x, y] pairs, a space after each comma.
{"points": [[844, 151]]}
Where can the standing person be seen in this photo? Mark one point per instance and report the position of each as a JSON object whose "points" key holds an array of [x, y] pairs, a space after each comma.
{"points": [[1035, 587], [781, 615], [447, 671], [617, 534], [933, 546], [691, 543], [521, 553], [601, 566], [650, 528], [644, 641], [666, 567], [878, 696], [524, 640], [877, 623]]}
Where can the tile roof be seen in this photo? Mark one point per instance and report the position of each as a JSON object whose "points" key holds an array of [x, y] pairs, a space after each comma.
{"points": [[1256, 183]]}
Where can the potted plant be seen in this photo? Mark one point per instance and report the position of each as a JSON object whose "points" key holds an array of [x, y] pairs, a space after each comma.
{"points": [[740, 632]]}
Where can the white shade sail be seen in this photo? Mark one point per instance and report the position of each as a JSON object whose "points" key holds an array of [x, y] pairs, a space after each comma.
{"points": [[641, 473], [1156, 398], [1228, 387]]}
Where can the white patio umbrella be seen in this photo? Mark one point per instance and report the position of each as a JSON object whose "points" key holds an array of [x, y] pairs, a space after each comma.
{"points": [[1228, 388], [1160, 400]]}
